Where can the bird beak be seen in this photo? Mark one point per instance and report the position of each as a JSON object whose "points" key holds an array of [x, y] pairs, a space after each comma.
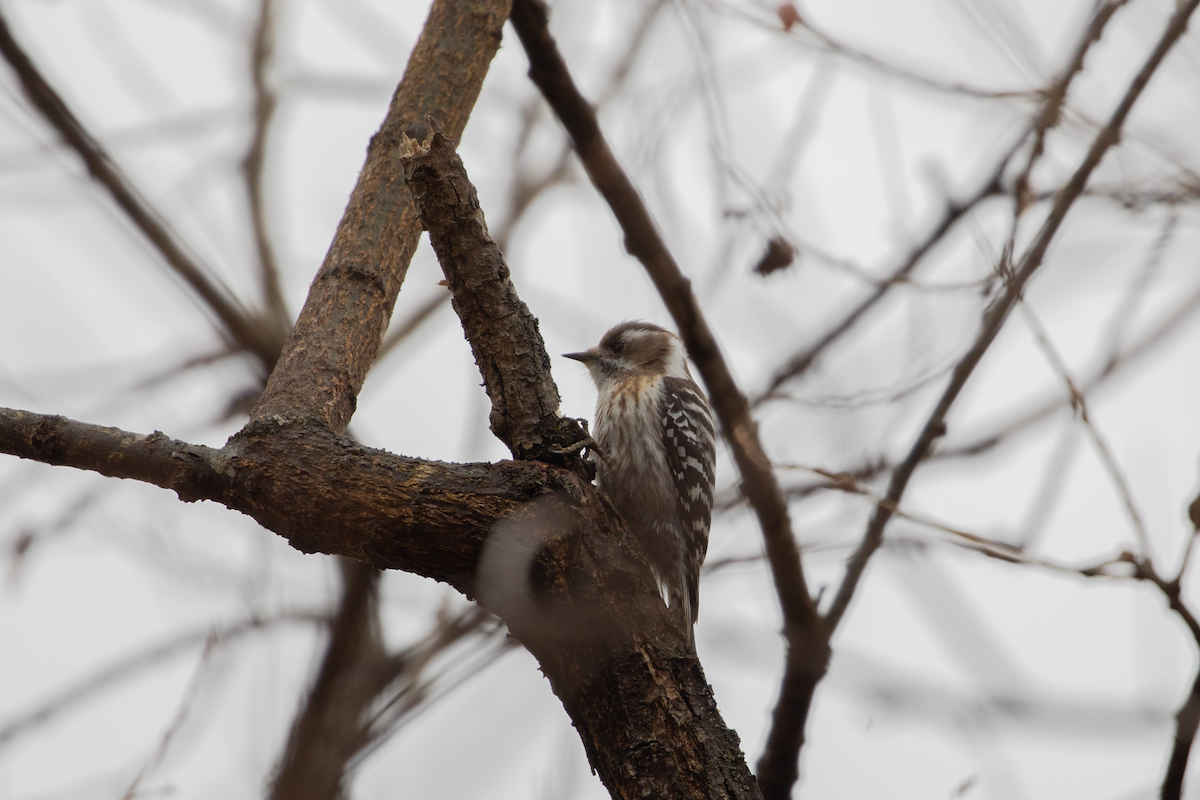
{"points": [[585, 356]]}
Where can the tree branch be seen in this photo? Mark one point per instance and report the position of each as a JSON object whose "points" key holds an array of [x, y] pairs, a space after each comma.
{"points": [[240, 326], [534, 542], [262, 51], [503, 334], [326, 734], [808, 652], [693, 755], [334, 343], [995, 316]]}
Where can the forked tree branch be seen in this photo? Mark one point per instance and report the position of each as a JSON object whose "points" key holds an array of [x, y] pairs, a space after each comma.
{"points": [[336, 339], [691, 755], [536, 543], [808, 651]]}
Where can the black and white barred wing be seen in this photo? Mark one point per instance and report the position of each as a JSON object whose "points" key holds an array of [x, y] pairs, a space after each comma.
{"points": [[689, 439]]}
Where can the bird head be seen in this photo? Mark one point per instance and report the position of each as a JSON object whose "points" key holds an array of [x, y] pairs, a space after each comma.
{"points": [[634, 349]]}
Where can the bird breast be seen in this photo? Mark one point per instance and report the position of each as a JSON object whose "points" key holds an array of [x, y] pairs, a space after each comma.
{"points": [[633, 472]]}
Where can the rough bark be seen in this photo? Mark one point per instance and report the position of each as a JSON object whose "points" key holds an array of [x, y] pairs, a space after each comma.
{"points": [[533, 542], [336, 338], [503, 334], [807, 639], [536, 544]]}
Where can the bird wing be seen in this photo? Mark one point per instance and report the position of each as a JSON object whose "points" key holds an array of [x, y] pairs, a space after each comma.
{"points": [[689, 440]]}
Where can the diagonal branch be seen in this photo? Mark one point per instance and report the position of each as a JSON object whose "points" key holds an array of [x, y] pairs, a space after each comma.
{"points": [[997, 313], [503, 334], [336, 339], [240, 325], [800, 362], [325, 734], [693, 760]]}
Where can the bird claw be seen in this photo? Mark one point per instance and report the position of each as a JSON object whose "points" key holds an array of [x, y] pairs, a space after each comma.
{"points": [[588, 443]]}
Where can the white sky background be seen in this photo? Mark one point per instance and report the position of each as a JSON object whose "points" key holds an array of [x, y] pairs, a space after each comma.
{"points": [[952, 675]]}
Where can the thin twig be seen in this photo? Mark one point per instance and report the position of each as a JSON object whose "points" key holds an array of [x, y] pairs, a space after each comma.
{"points": [[954, 211], [185, 707], [262, 52], [829, 43], [1079, 403], [129, 666], [997, 313], [239, 325]]}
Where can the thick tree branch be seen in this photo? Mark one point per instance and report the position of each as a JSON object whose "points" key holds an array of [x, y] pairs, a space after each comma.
{"points": [[808, 653], [336, 338], [536, 543], [503, 334], [995, 316], [621, 626]]}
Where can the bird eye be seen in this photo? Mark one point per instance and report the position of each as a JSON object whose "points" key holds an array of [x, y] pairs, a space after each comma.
{"points": [[618, 347]]}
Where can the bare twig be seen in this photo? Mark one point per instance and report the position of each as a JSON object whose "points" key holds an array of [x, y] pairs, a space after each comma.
{"points": [[954, 211], [185, 706], [1079, 403], [254, 162], [131, 665], [1047, 117], [828, 42], [239, 325], [997, 313]]}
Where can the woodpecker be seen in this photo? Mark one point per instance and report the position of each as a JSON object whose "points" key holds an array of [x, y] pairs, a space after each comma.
{"points": [[657, 441]]}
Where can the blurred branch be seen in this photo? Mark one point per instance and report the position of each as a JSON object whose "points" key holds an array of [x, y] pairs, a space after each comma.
{"points": [[397, 334], [808, 652], [131, 665], [411, 690], [1055, 96], [325, 734], [1115, 363], [1048, 116], [185, 706], [829, 43], [239, 325], [995, 317], [997, 313], [1079, 405], [954, 211], [254, 162]]}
